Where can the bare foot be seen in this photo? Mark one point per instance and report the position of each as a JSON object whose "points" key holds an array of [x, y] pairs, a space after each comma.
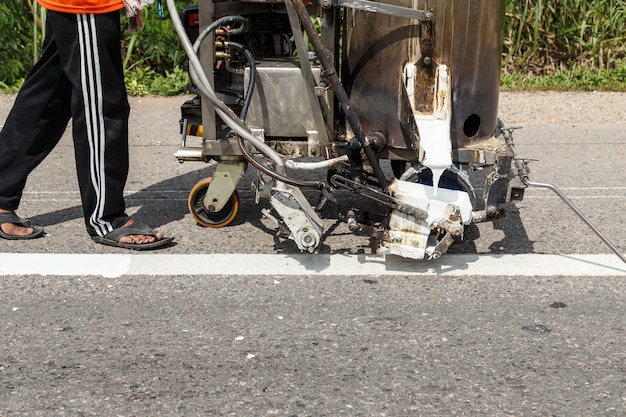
{"points": [[15, 229], [139, 239]]}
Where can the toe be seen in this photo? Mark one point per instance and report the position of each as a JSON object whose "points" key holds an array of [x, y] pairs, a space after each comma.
{"points": [[139, 239], [16, 230]]}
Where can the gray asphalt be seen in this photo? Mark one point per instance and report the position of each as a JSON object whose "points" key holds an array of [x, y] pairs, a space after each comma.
{"points": [[584, 159], [318, 346], [314, 346]]}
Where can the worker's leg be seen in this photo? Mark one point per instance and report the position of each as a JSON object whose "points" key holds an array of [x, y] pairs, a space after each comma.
{"points": [[91, 59], [35, 124]]}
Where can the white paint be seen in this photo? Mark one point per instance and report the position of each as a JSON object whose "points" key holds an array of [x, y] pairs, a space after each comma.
{"points": [[64, 264], [426, 198], [224, 265]]}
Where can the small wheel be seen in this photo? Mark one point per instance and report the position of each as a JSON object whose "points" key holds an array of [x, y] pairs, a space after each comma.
{"points": [[211, 219]]}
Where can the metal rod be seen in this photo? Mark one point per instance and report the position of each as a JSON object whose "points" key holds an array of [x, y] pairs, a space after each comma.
{"points": [[579, 213], [377, 7], [340, 92], [307, 74]]}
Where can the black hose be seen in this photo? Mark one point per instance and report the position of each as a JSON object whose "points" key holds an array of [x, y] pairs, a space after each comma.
{"points": [[320, 185], [196, 46], [213, 26], [220, 22], [250, 58], [242, 115]]}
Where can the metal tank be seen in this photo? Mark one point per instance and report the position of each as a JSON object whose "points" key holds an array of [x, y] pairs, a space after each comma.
{"points": [[464, 35], [469, 34]]}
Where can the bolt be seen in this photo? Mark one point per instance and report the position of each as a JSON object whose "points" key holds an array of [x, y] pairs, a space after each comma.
{"points": [[456, 230]]}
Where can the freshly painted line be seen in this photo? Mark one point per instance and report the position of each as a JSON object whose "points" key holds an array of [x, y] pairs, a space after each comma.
{"points": [[179, 191], [63, 264], [573, 197], [117, 265]]}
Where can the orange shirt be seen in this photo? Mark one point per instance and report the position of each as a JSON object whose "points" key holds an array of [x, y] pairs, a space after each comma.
{"points": [[82, 6]]}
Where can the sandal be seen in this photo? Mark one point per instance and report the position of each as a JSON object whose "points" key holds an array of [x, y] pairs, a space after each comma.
{"points": [[137, 228], [11, 217]]}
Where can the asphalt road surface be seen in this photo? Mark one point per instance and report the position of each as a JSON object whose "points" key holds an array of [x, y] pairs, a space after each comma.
{"points": [[458, 340]]}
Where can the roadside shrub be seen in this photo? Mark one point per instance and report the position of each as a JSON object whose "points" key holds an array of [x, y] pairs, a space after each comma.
{"points": [[141, 81], [20, 38], [543, 36], [156, 46], [572, 43], [578, 78]]}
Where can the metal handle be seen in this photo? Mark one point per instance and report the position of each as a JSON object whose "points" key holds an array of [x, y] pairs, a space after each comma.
{"points": [[578, 212]]}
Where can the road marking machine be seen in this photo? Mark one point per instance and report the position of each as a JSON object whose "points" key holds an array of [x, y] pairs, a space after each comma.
{"points": [[290, 87]]}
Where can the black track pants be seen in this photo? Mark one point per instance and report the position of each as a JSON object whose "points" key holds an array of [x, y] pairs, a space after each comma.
{"points": [[79, 76]]}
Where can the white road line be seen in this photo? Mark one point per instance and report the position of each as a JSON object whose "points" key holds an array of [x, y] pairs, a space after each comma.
{"points": [[179, 191], [117, 265]]}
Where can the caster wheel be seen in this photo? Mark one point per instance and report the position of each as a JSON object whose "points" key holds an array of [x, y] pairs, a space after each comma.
{"points": [[206, 218]]}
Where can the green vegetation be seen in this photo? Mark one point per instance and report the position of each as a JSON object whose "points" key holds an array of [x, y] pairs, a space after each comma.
{"points": [[154, 61], [549, 45], [20, 40], [565, 45], [577, 78]]}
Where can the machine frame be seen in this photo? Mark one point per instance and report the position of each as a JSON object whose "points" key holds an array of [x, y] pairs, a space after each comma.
{"points": [[414, 82]]}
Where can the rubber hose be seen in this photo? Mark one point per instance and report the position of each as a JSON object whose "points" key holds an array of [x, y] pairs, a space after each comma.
{"points": [[228, 116]]}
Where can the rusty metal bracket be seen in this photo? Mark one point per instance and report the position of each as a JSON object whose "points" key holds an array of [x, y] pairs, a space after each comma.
{"points": [[377, 196]]}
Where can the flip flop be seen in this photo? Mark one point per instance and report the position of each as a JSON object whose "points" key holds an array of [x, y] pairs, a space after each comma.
{"points": [[137, 228], [11, 217]]}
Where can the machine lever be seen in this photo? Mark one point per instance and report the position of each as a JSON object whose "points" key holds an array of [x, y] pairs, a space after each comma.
{"points": [[521, 164], [580, 214], [330, 72]]}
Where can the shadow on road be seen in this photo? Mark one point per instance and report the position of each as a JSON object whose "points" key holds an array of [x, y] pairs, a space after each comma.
{"points": [[158, 205], [166, 202]]}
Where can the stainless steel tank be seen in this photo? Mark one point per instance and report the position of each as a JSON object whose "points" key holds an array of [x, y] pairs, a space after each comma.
{"points": [[465, 35]]}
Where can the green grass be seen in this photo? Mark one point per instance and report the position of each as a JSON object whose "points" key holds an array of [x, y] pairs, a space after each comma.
{"points": [[548, 45], [543, 36], [579, 78], [141, 81]]}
